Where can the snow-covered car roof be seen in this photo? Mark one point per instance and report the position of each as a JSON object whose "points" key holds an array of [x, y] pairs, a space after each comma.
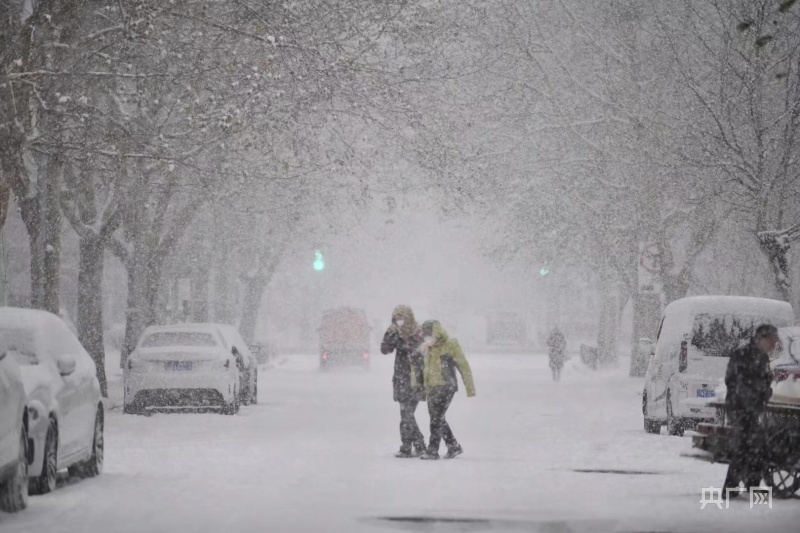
{"points": [[745, 305], [22, 318]]}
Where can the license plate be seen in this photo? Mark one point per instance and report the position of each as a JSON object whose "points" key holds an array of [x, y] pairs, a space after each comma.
{"points": [[706, 393], [181, 366]]}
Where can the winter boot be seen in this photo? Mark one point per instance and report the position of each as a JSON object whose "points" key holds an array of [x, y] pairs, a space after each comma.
{"points": [[419, 449], [404, 453], [453, 451], [428, 455]]}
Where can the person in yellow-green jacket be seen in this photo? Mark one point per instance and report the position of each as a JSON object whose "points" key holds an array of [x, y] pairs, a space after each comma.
{"points": [[442, 356]]}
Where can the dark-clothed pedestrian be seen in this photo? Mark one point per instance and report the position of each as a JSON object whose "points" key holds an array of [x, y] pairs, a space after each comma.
{"points": [[748, 380], [403, 337], [442, 356], [556, 346]]}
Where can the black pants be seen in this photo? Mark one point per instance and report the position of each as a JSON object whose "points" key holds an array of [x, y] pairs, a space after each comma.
{"points": [[409, 430], [556, 372], [746, 451], [439, 400]]}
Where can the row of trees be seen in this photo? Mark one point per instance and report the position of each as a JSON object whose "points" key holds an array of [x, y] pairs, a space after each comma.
{"points": [[145, 123], [183, 133], [594, 127]]}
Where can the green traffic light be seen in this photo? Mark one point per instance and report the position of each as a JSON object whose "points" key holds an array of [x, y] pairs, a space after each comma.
{"points": [[319, 262]]}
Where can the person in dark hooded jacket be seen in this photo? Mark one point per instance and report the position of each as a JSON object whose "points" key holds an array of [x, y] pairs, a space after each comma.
{"points": [[748, 380], [403, 337], [556, 344]]}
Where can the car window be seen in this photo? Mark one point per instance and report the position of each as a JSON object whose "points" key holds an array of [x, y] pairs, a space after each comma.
{"points": [[20, 343], [794, 348], [164, 339], [717, 335]]}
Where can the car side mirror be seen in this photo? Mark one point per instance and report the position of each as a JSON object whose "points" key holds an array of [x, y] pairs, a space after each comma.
{"points": [[66, 365], [238, 356], [647, 345]]}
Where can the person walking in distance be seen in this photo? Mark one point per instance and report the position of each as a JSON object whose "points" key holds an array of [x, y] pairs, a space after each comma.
{"points": [[442, 356], [403, 337], [748, 380], [556, 345]]}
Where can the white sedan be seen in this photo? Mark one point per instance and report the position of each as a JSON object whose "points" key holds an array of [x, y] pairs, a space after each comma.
{"points": [[13, 433], [183, 366], [65, 413]]}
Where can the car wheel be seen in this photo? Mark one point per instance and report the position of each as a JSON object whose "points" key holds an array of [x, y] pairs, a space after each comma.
{"points": [[46, 482], [674, 424], [650, 425], [254, 397], [94, 465], [233, 407], [244, 395], [14, 492], [784, 482]]}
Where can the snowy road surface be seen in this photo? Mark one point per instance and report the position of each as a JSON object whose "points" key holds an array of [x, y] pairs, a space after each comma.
{"points": [[316, 455]]}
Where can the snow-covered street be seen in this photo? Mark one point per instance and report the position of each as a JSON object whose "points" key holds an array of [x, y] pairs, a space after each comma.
{"points": [[316, 454]]}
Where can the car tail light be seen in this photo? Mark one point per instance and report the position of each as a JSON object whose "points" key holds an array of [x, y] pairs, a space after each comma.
{"points": [[683, 360], [782, 374], [324, 357], [366, 356]]}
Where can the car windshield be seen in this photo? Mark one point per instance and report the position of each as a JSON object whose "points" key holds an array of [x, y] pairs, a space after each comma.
{"points": [[163, 339], [19, 343]]}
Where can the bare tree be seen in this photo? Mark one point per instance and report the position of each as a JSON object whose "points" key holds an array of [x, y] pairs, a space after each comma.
{"points": [[739, 66]]}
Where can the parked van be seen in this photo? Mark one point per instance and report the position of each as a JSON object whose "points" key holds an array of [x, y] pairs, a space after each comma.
{"points": [[696, 336]]}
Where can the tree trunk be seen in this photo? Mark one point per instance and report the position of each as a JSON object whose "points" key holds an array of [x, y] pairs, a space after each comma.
{"points": [[222, 289], [144, 283], [254, 288], [775, 246], [90, 304], [607, 335], [41, 214], [134, 313], [5, 195], [31, 217], [200, 295], [51, 245]]}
